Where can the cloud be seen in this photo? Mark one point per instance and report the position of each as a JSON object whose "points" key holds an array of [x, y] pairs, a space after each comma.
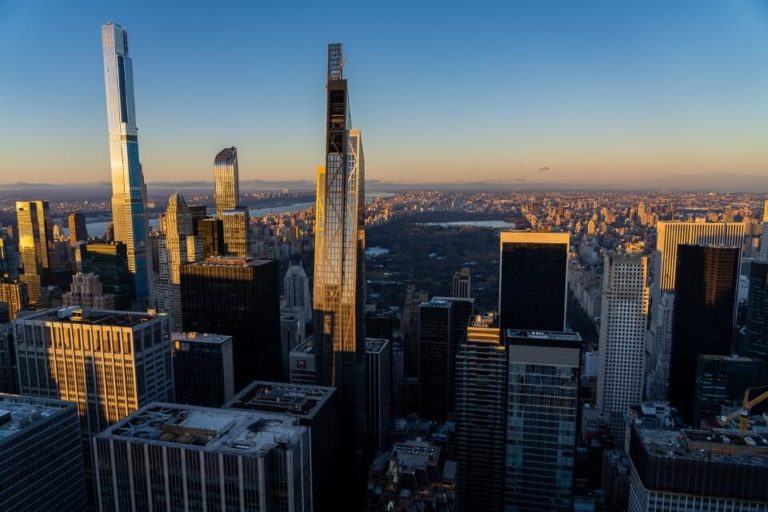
{"points": [[542, 169]]}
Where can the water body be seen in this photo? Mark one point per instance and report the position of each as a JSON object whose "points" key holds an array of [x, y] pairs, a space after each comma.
{"points": [[489, 224]]}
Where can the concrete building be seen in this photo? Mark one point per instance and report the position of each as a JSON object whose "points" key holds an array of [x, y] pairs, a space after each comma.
{"points": [[462, 283], [181, 457], [41, 456], [296, 289], [292, 329], [14, 292], [86, 291], [303, 365], [203, 368]]}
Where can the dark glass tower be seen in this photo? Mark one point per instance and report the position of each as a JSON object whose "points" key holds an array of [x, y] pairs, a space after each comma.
{"points": [[756, 326], [722, 380], [110, 262], [238, 297], [211, 233], [706, 284], [203, 368], [533, 280]]}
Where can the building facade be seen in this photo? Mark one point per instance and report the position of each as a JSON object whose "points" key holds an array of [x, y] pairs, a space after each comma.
{"points": [[35, 243], [756, 325], [86, 291], [462, 283], [110, 262], [721, 380], [78, 231], [226, 179], [129, 194], [203, 368], [14, 292], [378, 354], [236, 226], [296, 289]]}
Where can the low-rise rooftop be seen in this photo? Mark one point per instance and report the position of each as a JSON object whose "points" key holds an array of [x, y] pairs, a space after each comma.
{"points": [[282, 397], [201, 337], [18, 413], [79, 315]]}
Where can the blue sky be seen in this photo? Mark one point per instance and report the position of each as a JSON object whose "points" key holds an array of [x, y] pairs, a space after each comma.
{"points": [[596, 91]]}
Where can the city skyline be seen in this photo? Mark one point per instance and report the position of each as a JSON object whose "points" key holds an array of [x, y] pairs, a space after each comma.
{"points": [[556, 104]]}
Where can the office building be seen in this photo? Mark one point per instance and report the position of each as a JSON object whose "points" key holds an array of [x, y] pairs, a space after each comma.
{"points": [[35, 243], [9, 257], [756, 325], [669, 236], [462, 283], [41, 451], [226, 179], [129, 194], [110, 262], [238, 297], [14, 293], [183, 457], [380, 324], [9, 379], [108, 362], [303, 366], [211, 234], [292, 331], [339, 269], [86, 291], [542, 407], [443, 324], [203, 368], [621, 352], [481, 374], [409, 325], [317, 409], [78, 231], [721, 382], [706, 284], [296, 289], [533, 280], [680, 470], [411, 477], [378, 353], [237, 232]]}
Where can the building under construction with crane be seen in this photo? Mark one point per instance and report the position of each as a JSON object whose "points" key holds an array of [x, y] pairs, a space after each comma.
{"points": [[674, 469]]}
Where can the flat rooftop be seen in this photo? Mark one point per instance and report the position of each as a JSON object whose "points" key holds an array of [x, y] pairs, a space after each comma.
{"points": [[18, 413], [77, 315], [206, 428], [201, 337], [375, 344], [305, 348], [282, 397], [229, 261], [416, 454], [543, 338]]}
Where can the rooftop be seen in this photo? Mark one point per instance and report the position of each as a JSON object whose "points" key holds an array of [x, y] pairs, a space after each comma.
{"points": [[229, 261], [207, 429], [76, 314], [281, 397], [304, 348], [201, 337], [22, 412], [375, 344], [226, 155], [561, 338]]}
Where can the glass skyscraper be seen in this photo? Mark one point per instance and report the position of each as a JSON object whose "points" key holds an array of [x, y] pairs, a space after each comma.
{"points": [[226, 180], [35, 235], [340, 253], [129, 194]]}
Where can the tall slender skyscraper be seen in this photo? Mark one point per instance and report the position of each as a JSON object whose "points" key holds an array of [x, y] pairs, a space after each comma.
{"points": [[78, 231], [129, 194], [35, 236], [756, 325], [340, 253], [296, 287], [226, 180]]}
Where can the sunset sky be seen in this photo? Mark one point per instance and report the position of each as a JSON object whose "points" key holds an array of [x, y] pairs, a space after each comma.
{"points": [[551, 91]]}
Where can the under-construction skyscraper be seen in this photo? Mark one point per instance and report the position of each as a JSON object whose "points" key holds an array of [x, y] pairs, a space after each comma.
{"points": [[340, 255]]}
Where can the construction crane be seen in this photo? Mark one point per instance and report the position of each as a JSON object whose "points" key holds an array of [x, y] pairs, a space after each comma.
{"points": [[746, 406]]}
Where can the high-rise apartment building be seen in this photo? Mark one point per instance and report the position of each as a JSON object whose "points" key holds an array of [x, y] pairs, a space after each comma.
{"points": [[78, 231], [41, 456], [443, 325], [203, 368], [533, 280], [35, 239], [110, 262], [237, 232], [542, 407], [129, 194], [339, 270], [86, 291], [706, 285], [226, 179], [378, 353], [481, 375], [182, 457], [669, 236], [296, 288], [317, 409], [621, 353], [14, 292], [462, 283], [238, 297], [756, 325], [110, 363]]}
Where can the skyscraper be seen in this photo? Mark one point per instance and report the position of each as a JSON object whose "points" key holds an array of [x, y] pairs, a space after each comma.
{"points": [[86, 291], [110, 262], [410, 327], [296, 287], [35, 235], [462, 283], [533, 279], [203, 368], [14, 293], [669, 236], [211, 233], [763, 254], [621, 353], [542, 406], [756, 325], [706, 284], [481, 374], [238, 297], [9, 379], [42, 456], [78, 232], [9, 257], [379, 356], [722, 381], [237, 232], [339, 278], [129, 194], [226, 179]]}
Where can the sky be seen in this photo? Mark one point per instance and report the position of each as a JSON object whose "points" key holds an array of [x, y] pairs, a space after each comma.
{"points": [[505, 92]]}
